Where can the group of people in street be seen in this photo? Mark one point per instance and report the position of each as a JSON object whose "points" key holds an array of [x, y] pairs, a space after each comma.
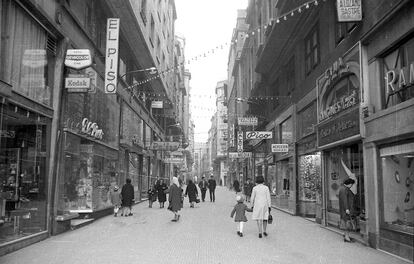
{"points": [[123, 200]]}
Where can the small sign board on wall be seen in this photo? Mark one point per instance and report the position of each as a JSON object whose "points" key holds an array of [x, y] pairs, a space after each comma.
{"points": [[280, 148], [349, 10], [157, 104], [247, 121], [78, 58]]}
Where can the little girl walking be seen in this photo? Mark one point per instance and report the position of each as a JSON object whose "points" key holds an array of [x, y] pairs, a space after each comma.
{"points": [[240, 210]]}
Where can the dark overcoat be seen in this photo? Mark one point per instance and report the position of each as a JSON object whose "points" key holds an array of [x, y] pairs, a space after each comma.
{"points": [[192, 192], [346, 201], [127, 194], [174, 198], [161, 188]]}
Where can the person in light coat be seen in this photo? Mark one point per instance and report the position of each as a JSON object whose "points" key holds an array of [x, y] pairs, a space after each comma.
{"points": [[260, 201]]}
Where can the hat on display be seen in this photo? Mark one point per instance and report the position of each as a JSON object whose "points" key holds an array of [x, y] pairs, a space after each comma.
{"points": [[349, 181]]}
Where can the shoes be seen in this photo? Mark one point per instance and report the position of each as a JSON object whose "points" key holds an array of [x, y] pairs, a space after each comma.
{"points": [[174, 220], [130, 214], [122, 214], [115, 215], [264, 233], [241, 234], [260, 235], [238, 232]]}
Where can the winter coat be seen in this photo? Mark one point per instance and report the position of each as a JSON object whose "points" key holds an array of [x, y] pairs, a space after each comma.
{"points": [[116, 198], [127, 194], [236, 186], [261, 202], [240, 209], [212, 184], [192, 192], [152, 194], [248, 187], [346, 201], [174, 197], [203, 185], [162, 196]]}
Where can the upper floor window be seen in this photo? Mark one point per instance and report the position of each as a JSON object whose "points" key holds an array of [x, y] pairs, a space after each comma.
{"points": [[143, 11], [27, 54], [343, 30], [312, 46], [290, 75]]}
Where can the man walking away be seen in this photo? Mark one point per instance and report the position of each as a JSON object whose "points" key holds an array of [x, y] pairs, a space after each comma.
{"points": [[203, 187], [212, 188]]}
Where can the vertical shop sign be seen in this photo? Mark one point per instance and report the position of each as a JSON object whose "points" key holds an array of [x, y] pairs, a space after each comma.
{"points": [[111, 58], [239, 141]]}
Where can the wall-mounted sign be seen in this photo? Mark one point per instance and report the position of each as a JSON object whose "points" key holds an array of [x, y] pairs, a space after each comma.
{"points": [[7, 133], [112, 50], [157, 104], [240, 155], [340, 128], [78, 58], [239, 141], [93, 75], [339, 105], [91, 129], [398, 80], [174, 160], [349, 10], [77, 84], [247, 121], [159, 145], [280, 148], [259, 135]]}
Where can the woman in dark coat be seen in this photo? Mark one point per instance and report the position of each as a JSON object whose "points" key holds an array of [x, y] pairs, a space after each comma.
{"points": [[127, 196], [346, 208], [192, 193], [161, 188], [174, 199], [236, 186]]}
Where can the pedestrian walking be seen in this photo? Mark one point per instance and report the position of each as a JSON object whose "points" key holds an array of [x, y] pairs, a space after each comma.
{"points": [[346, 208], [236, 186], [161, 188], [152, 195], [116, 200], [240, 210], [248, 187], [212, 188], [127, 198], [203, 188], [175, 198], [261, 205], [192, 193]]}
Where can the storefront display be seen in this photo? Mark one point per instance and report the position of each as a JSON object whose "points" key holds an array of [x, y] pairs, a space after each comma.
{"points": [[397, 163], [23, 173], [284, 182], [310, 184]]}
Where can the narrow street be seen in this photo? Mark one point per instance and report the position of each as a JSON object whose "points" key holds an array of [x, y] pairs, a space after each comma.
{"points": [[205, 234]]}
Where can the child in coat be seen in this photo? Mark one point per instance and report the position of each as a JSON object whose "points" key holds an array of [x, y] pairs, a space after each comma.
{"points": [[152, 195], [116, 200], [240, 210]]}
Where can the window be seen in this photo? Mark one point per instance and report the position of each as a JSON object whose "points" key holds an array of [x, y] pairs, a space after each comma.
{"points": [[27, 54], [269, 6], [290, 75], [152, 32], [312, 50], [343, 30], [286, 131]]}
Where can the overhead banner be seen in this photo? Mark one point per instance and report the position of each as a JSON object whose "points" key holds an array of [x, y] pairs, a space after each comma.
{"points": [[349, 10], [170, 146], [259, 134], [112, 52]]}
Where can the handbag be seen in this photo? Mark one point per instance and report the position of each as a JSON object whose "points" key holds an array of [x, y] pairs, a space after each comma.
{"points": [[197, 200], [270, 219]]}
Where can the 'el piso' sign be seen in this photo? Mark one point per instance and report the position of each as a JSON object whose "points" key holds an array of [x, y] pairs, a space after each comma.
{"points": [[259, 134]]}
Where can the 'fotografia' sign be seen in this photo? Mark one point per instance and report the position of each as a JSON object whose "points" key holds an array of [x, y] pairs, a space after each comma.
{"points": [[349, 10]]}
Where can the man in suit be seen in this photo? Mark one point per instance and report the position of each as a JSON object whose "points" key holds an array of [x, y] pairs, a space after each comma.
{"points": [[212, 188], [203, 187]]}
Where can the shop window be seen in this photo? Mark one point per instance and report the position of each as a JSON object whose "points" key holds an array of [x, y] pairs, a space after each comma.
{"points": [[342, 163], [312, 55], [310, 187], [27, 61], [397, 163], [23, 174], [307, 120], [284, 178], [399, 75], [286, 131]]}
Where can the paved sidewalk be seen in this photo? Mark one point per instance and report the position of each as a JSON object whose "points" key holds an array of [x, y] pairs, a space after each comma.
{"points": [[205, 234]]}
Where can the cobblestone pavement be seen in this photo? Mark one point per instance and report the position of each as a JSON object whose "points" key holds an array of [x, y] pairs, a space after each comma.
{"points": [[204, 234]]}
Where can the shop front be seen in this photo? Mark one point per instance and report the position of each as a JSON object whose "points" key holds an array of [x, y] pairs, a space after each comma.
{"points": [[390, 138], [89, 160], [339, 137]]}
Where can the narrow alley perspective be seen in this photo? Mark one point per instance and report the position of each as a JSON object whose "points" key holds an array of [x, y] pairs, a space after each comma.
{"points": [[204, 234]]}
